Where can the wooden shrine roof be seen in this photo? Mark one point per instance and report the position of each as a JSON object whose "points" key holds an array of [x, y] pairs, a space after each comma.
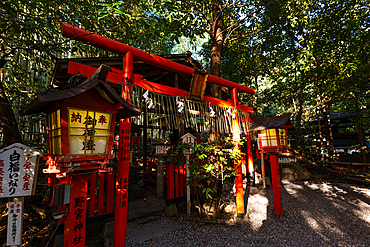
{"points": [[96, 79], [280, 122], [62, 79]]}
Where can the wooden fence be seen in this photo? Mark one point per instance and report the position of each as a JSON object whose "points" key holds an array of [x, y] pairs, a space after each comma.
{"points": [[100, 193]]}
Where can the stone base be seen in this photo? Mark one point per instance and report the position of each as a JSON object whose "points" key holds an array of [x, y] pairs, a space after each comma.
{"points": [[171, 210], [293, 172]]}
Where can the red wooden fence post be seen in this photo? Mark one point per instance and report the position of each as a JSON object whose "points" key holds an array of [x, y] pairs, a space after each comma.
{"points": [[276, 184], [92, 194], [170, 181], [101, 193], [150, 170], [110, 193]]}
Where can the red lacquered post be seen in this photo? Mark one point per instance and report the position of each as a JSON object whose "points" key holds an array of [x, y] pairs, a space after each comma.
{"points": [[121, 203], [238, 163], [276, 184]]}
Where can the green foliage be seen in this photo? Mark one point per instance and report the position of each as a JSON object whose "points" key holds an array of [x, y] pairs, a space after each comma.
{"points": [[308, 56], [208, 164], [31, 41], [291, 52]]}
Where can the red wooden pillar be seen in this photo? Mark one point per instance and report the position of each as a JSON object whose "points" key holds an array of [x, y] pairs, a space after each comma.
{"points": [[276, 184], [121, 203], [238, 164], [120, 214], [75, 222], [250, 160], [128, 70]]}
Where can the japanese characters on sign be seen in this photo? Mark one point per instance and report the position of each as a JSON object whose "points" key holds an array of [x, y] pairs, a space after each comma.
{"points": [[75, 226], [198, 85], [14, 234], [88, 131], [18, 170], [124, 156], [78, 223], [122, 187]]}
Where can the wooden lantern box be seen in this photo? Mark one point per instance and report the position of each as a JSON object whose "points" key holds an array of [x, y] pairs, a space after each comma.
{"points": [[80, 123]]}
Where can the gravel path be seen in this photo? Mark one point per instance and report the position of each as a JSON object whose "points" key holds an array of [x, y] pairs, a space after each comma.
{"points": [[316, 213]]}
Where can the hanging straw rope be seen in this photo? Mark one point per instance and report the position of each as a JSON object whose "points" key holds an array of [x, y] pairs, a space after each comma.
{"points": [[196, 114]]}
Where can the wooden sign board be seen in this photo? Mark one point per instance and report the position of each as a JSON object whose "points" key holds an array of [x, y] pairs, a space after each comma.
{"points": [[15, 219], [160, 149], [18, 170], [198, 85]]}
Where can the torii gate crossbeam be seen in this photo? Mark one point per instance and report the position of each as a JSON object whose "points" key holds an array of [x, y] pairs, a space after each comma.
{"points": [[107, 44]]}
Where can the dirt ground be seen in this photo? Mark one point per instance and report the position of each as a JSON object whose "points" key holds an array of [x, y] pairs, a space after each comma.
{"points": [[38, 223]]}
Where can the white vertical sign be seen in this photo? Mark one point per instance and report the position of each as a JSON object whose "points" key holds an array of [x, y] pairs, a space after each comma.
{"points": [[18, 170], [188, 138], [14, 235]]}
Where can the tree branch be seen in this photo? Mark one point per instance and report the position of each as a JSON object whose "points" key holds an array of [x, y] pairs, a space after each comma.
{"points": [[255, 32], [197, 9], [237, 24], [60, 43]]}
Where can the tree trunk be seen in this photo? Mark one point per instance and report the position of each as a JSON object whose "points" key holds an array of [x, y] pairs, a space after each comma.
{"points": [[256, 96], [217, 44], [320, 148], [8, 122], [328, 130], [299, 112], [360, 130], [217, 39]]}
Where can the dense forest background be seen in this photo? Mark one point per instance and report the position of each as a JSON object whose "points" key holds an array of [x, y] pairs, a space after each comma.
{"points": [[309, 58]]}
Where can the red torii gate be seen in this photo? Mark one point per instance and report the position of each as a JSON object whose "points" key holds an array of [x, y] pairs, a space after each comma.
{"points": [[107, 44], [125, 77], [116, 77]]}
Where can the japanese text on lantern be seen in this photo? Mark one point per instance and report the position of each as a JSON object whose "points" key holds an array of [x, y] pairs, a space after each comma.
{"points": [[89, 131]]}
